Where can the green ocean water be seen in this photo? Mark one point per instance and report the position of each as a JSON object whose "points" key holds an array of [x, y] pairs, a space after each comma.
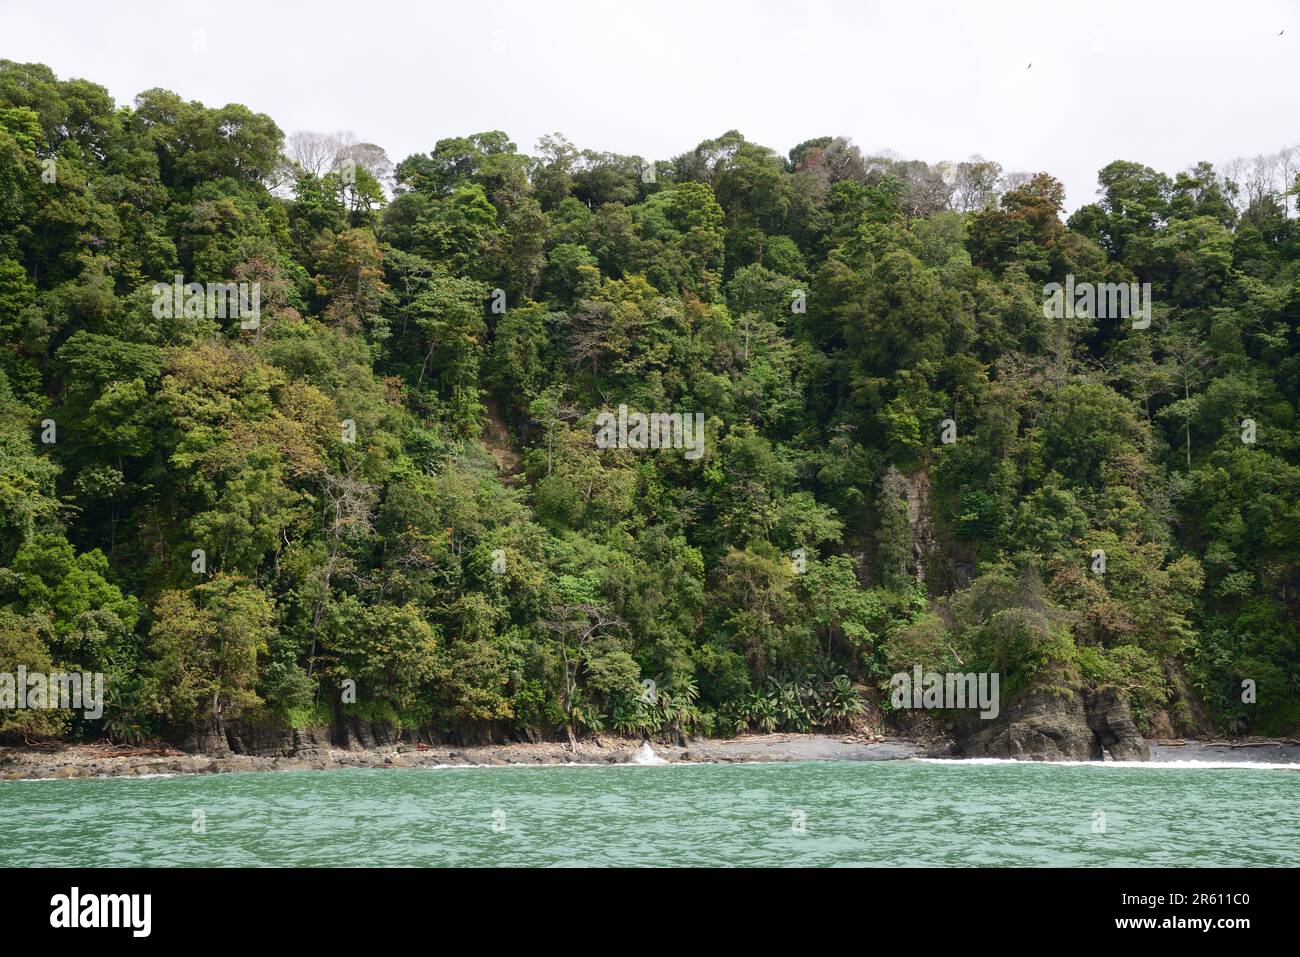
{"points": [[898, 813]]}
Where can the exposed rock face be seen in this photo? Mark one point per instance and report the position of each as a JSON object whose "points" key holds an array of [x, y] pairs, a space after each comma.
{"points": [[312, 740], [920, 520], [1112, 726], [262, 740], [209, 741], [354, 734], [1047, 724], [269, 738]]}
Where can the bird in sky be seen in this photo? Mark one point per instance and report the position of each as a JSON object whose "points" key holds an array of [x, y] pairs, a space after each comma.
{"points": [[1030, 67]]}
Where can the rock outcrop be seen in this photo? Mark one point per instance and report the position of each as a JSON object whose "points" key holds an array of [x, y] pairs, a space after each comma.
{"points": [[1111, 723], [1056, 724], [206, 741], [267, 737]]}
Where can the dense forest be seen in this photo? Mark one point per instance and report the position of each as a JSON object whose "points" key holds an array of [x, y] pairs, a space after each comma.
{"points": [[386, 495]]}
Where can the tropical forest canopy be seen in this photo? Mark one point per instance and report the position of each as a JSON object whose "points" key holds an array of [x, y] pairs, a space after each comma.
{"points": [[185, 510]]}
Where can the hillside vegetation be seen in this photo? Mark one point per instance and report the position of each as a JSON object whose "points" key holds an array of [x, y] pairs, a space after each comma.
{"points": [[390, 485]]}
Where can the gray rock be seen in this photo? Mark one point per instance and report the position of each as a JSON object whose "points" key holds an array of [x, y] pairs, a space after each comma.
{"points": [[1111, 723], [1051, 723]]}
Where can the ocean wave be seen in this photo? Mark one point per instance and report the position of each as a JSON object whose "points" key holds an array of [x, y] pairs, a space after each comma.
{"points": [[1190, 764]]}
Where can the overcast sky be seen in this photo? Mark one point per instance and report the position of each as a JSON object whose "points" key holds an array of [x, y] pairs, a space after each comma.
{"points": [[1164, 83]]}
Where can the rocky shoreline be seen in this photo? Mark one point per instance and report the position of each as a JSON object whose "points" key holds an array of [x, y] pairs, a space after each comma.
{"points": [[73, 761], [92, 761]]}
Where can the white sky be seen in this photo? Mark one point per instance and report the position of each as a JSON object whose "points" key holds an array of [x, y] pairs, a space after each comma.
{"points": [[1165, 83]]}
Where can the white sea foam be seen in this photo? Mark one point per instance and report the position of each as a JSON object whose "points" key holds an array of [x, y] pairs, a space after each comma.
{"points": [[512, 764], [1196, 765], [97, 777], [646, 755]]}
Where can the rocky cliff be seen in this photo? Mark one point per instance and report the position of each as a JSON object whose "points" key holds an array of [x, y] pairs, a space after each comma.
{"points": [[269, 738], [1051, 723]]}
